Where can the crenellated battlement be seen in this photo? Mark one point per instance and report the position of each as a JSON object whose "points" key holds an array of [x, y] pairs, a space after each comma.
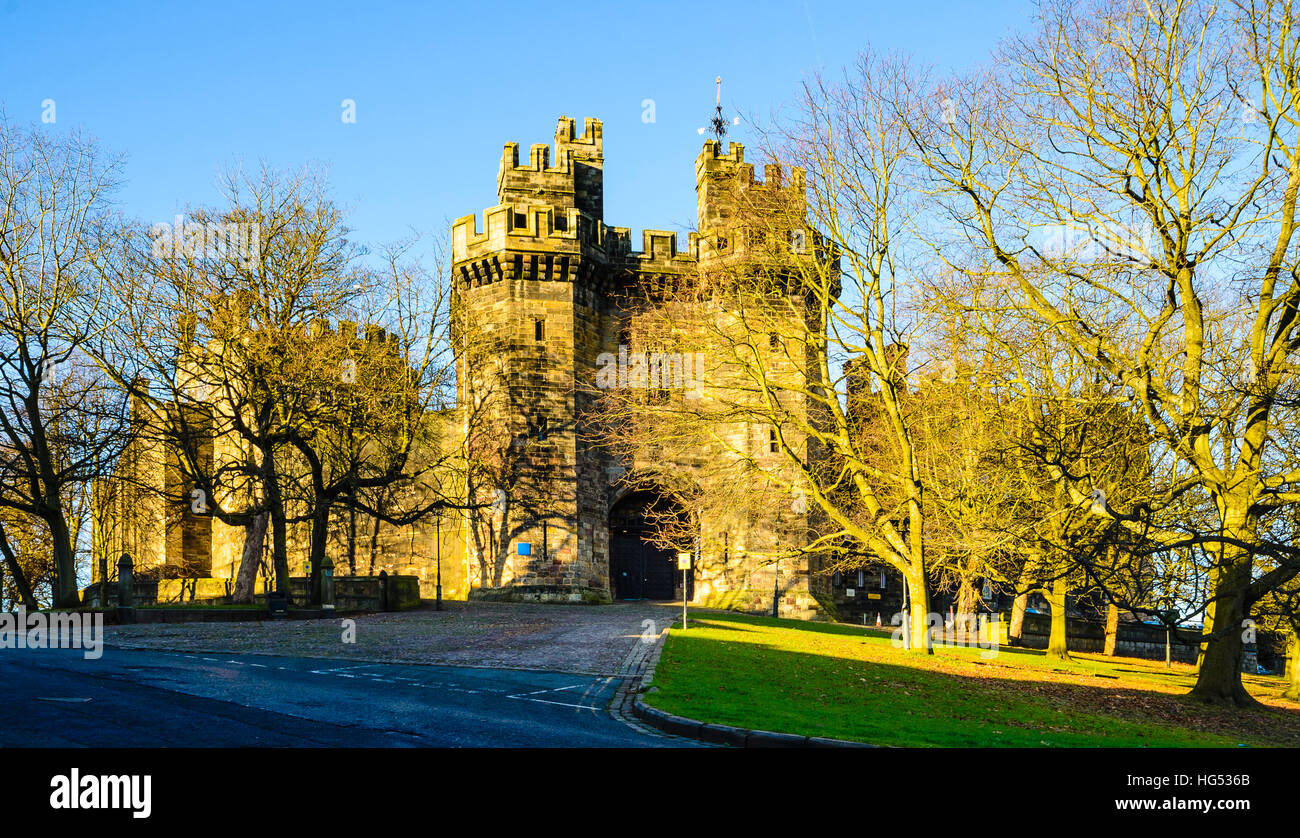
{"points": [[548, 225], [521, 226], [724, 181], [347, 330], [589, 145], [575, 180], [658, 251]]}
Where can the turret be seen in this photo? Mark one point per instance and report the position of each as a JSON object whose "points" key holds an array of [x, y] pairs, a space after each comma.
{"points": [[574, 181], [725, 187]]}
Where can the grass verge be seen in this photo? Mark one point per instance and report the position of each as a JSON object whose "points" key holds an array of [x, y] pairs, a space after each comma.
{"points": [[849, 682]]}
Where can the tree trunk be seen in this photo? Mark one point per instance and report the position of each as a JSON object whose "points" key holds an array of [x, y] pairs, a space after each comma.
{"points": [[319, 533], [65, 560], [1207, 625], [919, 597], [24, 588], [1017, 628], [374, 545], [250, 558], [967, 599], [1218, 680], [279, 527], [1112, 628], [1057, 644], [352, 540]]}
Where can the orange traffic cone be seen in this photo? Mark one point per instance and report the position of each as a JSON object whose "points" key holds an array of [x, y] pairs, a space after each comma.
{"points": [[877, 619]]}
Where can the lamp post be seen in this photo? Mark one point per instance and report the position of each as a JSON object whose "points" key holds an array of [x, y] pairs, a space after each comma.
{"points": [[438, 535], [776, 589], [684, 562]]}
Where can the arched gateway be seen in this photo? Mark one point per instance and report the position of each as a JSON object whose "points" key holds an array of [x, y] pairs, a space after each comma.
{"points": [[639, 568]]}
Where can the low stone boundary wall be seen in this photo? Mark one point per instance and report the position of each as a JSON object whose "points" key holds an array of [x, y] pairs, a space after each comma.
{"points": [[351, 593], [793, 604], [542, 593], [364, 593], [1132, 639]]}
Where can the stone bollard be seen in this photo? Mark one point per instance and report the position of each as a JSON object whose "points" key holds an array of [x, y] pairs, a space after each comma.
{"points": [[125, 590], [383, 590], [327, 584]]}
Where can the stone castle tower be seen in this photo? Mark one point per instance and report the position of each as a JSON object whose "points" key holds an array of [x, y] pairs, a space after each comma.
{"points": [[545, 289], [542, 293]]}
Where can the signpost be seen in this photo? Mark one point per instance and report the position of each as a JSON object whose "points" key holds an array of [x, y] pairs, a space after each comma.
{"points": [[684, 565]]}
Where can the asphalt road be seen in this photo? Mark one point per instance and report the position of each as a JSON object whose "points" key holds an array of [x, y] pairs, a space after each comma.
{"points": [[56, 698]]}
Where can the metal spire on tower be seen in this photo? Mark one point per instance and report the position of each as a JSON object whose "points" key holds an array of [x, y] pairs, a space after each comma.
{"points": [[718, 125]]}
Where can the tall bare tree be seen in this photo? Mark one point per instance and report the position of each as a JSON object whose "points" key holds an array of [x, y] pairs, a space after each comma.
{"points": [[1164, 132], [59, 420]]}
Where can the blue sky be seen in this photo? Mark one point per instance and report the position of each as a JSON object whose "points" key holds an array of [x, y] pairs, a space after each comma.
{"points": [[183, 89]]}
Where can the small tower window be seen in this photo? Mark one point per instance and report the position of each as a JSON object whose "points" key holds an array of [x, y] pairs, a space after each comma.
{"points": [[771, 441], [798, 241], [521, 220], [773, 341], [541, 429], [539, 329]]}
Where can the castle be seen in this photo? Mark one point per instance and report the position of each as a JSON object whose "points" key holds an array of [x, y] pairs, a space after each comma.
{"points": [[545, 301]]}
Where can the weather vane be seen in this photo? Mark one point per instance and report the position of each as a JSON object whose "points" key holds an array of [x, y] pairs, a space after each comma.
{"points": [[718, 125]]}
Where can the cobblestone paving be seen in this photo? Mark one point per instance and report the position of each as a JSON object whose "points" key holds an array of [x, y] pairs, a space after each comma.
{"points": [[584, 639]]}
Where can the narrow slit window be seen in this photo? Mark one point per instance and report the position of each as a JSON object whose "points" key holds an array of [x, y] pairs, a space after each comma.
{"points": [[771, 441], [539, 329]]}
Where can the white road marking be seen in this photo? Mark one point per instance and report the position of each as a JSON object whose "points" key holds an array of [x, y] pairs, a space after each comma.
{"points": [[530, 696]]}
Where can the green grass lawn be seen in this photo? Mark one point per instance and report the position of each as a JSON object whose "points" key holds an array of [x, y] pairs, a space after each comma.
{"points": [[848, 682]]}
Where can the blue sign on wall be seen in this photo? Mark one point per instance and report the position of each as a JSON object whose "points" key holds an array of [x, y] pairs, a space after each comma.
{"points": [[525, 549]]}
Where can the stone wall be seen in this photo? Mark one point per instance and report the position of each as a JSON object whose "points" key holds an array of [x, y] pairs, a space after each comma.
{"points": [[1133, 639], [351, 593], [364, 593]]}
